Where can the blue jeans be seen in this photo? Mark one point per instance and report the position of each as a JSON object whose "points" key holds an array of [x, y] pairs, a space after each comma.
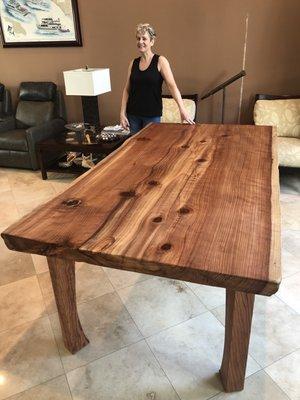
{"points": [[136, 122]]}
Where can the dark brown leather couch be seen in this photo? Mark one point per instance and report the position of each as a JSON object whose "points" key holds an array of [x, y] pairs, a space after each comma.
{"points": [[40, 114], [5, 104]]}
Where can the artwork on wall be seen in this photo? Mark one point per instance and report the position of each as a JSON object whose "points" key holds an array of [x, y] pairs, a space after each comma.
{"points": [[39, 23]]}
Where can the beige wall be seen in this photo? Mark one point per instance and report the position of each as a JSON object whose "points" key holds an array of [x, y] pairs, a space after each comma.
{"points": [[203, 40]]}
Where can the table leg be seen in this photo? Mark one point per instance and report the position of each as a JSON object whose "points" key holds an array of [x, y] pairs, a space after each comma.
{"points": [[239, 310], [62, 274]]}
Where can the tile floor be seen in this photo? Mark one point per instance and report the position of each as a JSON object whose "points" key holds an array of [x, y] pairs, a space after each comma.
{"points": [[150, 338]]}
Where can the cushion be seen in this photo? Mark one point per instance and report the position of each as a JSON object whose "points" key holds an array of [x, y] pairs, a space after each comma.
{"points": [[14, 140], [33, 113], [37, 91], [284, 114], [171, 111], [289, 152]]}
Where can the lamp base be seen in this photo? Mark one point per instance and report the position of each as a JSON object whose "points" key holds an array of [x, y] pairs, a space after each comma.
{"points": [[90, 110]]}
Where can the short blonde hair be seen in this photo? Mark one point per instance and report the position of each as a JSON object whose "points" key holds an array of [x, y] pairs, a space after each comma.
{"points": [[145, 27]]}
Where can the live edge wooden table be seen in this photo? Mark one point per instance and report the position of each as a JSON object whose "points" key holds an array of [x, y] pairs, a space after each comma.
{"points": [[197, 203]]}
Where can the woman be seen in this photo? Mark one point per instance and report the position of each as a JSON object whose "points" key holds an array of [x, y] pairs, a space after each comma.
{"points": [[141, 100]]}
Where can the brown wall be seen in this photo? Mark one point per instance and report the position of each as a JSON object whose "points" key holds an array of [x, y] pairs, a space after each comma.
{"points": [[203, 40]]}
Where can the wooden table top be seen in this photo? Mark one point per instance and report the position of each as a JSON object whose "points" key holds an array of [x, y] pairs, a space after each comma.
{"points": [[193, 202]]}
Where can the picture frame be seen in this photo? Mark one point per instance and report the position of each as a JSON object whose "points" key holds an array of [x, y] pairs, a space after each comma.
{"points": [[39, 23]]}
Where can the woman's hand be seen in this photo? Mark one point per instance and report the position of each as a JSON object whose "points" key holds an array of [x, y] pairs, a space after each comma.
{"points": [[124, 121], [185, 117], [167, 74]]}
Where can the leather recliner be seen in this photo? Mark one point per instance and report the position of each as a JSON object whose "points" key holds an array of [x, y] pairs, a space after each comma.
{"points": [[5, 108], [40, 114], [5, 104]]}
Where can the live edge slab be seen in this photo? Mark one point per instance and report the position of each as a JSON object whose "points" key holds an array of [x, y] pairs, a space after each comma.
{"points": [[198, 203]]}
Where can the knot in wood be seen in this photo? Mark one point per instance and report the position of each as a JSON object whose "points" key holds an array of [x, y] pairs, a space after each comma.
{"points": [[201, 160], [224, 135], [157, 219], [151, 396], [166, 246], [202, 141], [71, 202], [128, 194], [184, 210], [185, 146], [153, 183]]}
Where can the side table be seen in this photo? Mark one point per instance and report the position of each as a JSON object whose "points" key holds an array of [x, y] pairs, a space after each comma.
{"points": [[60, 144]]}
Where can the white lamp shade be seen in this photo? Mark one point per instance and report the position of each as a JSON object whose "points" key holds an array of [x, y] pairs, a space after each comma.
{"points": [[87, 82]]}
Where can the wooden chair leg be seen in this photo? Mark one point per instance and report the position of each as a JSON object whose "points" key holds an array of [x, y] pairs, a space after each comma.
{"points": [[62, 274], [239, 310]]}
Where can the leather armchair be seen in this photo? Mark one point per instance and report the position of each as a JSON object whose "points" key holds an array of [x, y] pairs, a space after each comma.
{"points": [[40, 114], [6, 117], [5, 102]]}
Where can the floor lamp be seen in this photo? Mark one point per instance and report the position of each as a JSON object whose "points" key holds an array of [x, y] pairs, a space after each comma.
{"points": [[88, 83]]}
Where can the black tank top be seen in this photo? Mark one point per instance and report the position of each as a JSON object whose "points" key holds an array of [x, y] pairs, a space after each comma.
{"points": [[145, 90]]}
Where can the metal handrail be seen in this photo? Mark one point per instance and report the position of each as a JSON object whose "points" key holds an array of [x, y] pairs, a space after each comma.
{"points": [[223, 86]]}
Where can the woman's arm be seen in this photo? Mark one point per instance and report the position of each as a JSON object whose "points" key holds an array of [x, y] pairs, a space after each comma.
{"points": [[123, 117], [167, 74]]}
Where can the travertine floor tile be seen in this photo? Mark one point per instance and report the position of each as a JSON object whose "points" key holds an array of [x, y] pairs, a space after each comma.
{"points": [[8, 210], [60, 182], [26, 183], [210, 296], [275, 329], [158, 303], [56, 389], [290, 211], [40, 263], [20, 302], [290, 264], [29, 190], [91, 282], [107, 325], [257, 387], [4, 182], [129, 374], [29, 204], [289, 291], [121, 279], [291, 241], [191, 355], [286, 373], [14, 265], [28, 357]]}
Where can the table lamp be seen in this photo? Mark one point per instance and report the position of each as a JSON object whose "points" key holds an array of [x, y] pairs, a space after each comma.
{"points": [[88, 83]]}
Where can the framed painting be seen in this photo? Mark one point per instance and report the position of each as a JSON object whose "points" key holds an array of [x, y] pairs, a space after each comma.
{"points": [[39, 23]]}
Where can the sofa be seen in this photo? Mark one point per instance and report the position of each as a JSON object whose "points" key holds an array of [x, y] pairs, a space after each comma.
{"points": [[5, 103], [40, 114], [283, 112], [170, 108]]}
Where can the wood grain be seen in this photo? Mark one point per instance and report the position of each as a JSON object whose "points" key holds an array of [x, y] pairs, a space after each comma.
{"points": [[239, 311], [62, 274], [196, 203]]}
